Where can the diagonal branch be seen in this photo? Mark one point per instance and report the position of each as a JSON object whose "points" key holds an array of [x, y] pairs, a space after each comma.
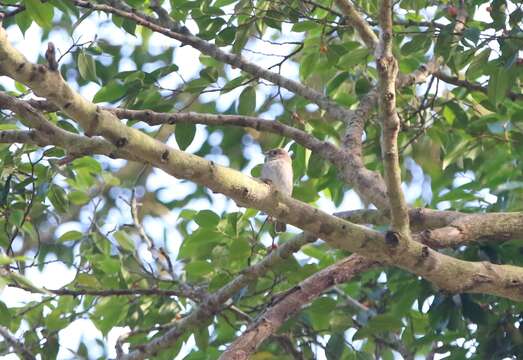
{"points": [[362, 27], [46, 133], [215, 301], [16, 344], [448, 273], [441, 229], [368, 184], [306, 291]]}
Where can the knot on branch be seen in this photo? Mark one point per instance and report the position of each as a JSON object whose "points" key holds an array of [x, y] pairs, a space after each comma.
{"points": [[424, 251], [165, 156], [121, 142], [389, 96], [392, 238], [387, 65], [212, 167]]}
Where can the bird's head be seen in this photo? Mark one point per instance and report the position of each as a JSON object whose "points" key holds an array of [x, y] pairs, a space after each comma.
{"points": [[277, 153]]}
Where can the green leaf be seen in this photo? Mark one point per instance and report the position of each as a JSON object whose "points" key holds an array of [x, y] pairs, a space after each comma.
{"points": [[201, 337], [498, 85], [379, 324], [23, 20], [335, 82], [307, 65], [240, 249], [41, 12], [58, 198], [226, 36], [6, 260], [335, 346], [86, 66], [107, 264], [196, 270], [108, 313], [161, 72], [88, 163], [233, 84], [304, 26], [71, 236], [200, 243], [78, 197], [111, 92], [184, 134], [418, 43], [247, 102], [207, 218], [5, 315], [352, 58], [317, 167], [124, 240]]}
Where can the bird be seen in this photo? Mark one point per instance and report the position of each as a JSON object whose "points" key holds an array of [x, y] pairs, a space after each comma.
{"points": [[277, 171]]}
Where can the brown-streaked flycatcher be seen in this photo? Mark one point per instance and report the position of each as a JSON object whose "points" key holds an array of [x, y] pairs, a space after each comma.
{"points": [[277, 170]]}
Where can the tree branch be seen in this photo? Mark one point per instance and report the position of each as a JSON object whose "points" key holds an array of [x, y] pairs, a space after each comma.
{"points": [[16, 344], [448, 273], [214, 302], [472, 86], [388, 70], [46, 133], [183, 35], [194, 294], [496, 227], [368, 184], [272, 319], [362, 27], [420, 218]]}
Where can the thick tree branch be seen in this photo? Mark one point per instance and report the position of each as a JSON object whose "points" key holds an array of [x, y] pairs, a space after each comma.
{"points": [[446, 272], [420, 218], [497, 227], [444, 229], [368, 184], [388, 70], [451, 274], [22, 137], [46, 133], [272, 319]]}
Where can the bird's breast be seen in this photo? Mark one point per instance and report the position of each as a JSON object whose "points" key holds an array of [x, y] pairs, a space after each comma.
{"points": [[279, 172]]}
